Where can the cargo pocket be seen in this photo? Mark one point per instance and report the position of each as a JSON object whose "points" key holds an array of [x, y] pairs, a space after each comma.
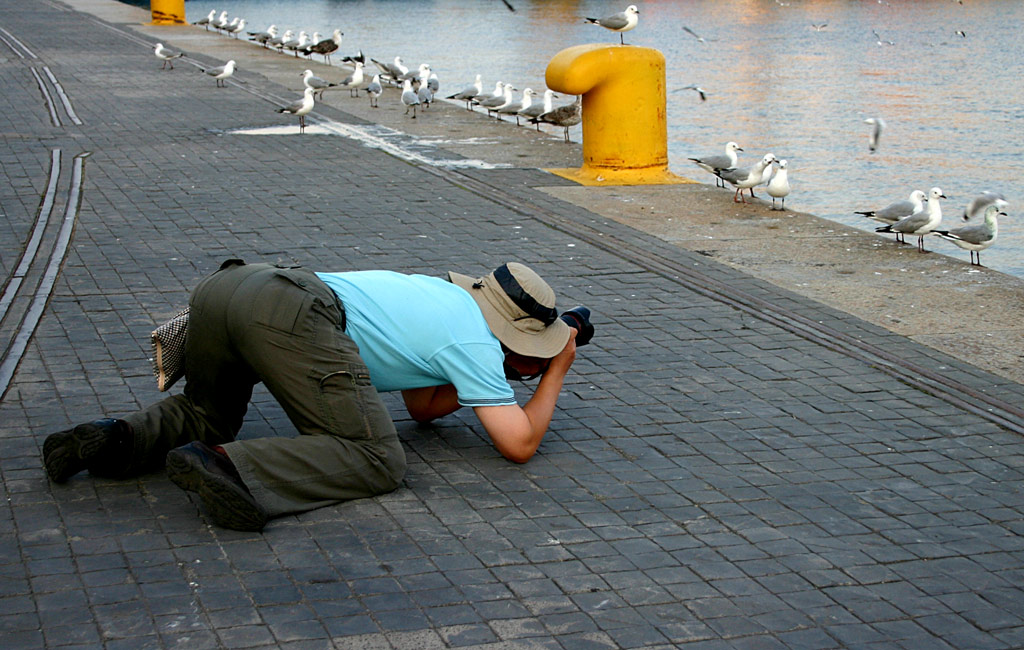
{"points": [[280, 304], [350, 404]]}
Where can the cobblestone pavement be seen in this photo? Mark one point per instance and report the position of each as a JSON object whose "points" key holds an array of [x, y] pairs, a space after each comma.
{"points": [[728, 467]]}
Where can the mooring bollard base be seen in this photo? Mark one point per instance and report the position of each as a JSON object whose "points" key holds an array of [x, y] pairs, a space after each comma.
{"points": [[167, 12], [595, 177]]}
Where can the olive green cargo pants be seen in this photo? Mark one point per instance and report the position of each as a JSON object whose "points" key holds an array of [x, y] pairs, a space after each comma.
{"points": [[284, 327]]}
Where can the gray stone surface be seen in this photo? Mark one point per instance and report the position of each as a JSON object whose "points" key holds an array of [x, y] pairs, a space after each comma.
{"points": [[717, 474]]}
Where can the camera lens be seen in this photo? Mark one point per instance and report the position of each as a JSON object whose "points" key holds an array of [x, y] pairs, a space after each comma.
{"points": [[578, 318]]}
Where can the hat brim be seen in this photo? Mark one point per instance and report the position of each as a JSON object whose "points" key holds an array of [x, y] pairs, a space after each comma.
{"points": [[542, 345]]}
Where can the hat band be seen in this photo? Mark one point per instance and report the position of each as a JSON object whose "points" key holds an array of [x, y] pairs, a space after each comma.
{"points": [[521, 298]]}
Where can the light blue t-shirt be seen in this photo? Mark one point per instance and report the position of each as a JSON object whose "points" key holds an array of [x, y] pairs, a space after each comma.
{"points": [[416, 330]]}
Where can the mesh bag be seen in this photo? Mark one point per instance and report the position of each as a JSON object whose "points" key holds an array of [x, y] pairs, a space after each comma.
{"points": [[169, 350]]}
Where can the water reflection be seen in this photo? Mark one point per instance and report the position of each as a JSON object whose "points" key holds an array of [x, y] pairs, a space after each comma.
{"points": [[775, 83]]}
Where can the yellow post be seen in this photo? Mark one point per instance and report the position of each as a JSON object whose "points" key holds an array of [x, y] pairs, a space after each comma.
{"points": [[167, 12], [625, 137]]}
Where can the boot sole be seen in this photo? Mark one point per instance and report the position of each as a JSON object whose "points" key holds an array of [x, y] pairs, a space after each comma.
{"points": [[227, 504], [68, 452]]}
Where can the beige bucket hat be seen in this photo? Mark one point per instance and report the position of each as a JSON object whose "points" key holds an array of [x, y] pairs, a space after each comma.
{"points": [[519, 307]]}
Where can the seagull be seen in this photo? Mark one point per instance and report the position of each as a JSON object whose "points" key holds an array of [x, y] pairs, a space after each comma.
{"points": [[563, 116], [499, 90], [296, 44], [700, 39], [205, 22], [433, 82], [409, 98], [374, 90], [513, 108], [306, 49], [358, 58], [264, 36], [166, 55], [819, 26], [222, 72], [893, 212], [354, 80], [876, 132], [620, 22], [746, 178], [778, 187], [278, 41], [961, 33], [237, 29], [418, 74], [494, 103], [980, 203], [700, 91], [316, 83], [879, 39], [221, 21], [921, 222], [536, 110], [425, 94], [329, 45], [727, 161], [229, 26], [300, 107], [976, 238]]}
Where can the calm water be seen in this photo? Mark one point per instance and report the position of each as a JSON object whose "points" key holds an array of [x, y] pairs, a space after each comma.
{"points": [[953, 105]]}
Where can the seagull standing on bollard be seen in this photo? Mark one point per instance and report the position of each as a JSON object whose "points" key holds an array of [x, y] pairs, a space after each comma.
{"points": [[166, 55], [620, 22], [222, 72], [300, 108]]}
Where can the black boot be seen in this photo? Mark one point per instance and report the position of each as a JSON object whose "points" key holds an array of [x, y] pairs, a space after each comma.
{"points": [[196, 467], [69, 452]]}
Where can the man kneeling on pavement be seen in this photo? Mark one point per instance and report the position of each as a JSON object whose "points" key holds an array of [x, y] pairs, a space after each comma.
{"points": [[324, 344]]}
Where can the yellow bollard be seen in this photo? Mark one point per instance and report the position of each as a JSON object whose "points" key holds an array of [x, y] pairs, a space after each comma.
{"points": [[167, 12], [625, 137]]}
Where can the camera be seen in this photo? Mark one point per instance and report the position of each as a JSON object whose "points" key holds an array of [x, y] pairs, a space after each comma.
{"points": [[578, 318]]}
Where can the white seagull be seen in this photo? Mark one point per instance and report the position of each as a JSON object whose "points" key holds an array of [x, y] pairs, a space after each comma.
{"points": [[536, 110], [514, 108], [222, 72], [409, 98], [978, 237], [319, 85], [778, 186], [719, 162], [494, 103], [354, 81], [205, 22], [921, 222], [878, 125], [893, 212], [374, 90], [746, 178], [166, 55], [620, 22], [980, 203], [300, 108]]}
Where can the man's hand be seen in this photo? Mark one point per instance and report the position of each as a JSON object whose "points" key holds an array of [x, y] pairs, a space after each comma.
{"points": [[517, 431]]}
